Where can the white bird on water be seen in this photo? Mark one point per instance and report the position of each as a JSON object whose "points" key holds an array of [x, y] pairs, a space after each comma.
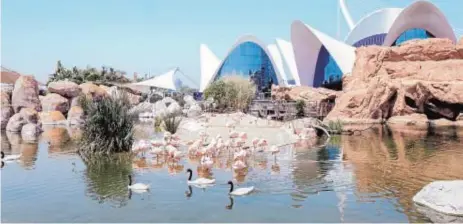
{"points": [[137, 186], [10, 157], [199, 181], [240, 191]]}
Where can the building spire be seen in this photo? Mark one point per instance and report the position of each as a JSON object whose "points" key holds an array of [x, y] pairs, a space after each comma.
{"points": [[346, 13]]}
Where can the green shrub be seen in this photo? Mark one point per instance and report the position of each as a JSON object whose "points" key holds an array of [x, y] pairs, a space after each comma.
{"points": [[231, 92], [109, 127], [157, 124], [171, 123], [300, 105]]}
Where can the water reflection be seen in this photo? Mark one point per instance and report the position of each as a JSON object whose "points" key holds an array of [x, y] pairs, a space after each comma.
{"points": [[12, 143], [395, 164], [58, 139], [381, 168], [230, 205], [107, 179]]}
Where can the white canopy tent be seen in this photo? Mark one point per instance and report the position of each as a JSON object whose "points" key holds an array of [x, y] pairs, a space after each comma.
{"points": [[164, 81]]}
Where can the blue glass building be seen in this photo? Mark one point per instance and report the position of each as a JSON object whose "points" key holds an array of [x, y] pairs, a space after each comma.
{"points": [[249, 60], [412, 34], [327, 70]]}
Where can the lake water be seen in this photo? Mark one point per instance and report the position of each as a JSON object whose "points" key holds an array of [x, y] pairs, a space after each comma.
{"points": [[367, 178]]}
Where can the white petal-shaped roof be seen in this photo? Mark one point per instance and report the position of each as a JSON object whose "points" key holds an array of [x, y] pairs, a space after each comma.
{"points": [[424, 15], [395, 21], [377, 22], [307, 43], [164, 81], [276, 57], [286, 49], [209, 63]]}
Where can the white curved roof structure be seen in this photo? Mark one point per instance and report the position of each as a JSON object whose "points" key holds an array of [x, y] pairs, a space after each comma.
{"points": [[307, 43], [278, 61], [424, 15], [377, 22], [392, 22], [286, 49], [208, 63], [164, 81]]}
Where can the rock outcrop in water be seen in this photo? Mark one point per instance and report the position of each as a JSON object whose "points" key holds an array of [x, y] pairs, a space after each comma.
{"points": [[419, 77], [442, 196]]}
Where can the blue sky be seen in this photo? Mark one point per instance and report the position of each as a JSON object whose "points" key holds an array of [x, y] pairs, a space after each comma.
{"points": [[152, 36]]}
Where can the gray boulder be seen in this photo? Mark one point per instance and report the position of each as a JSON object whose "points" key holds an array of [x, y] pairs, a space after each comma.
{"points": [[443, 196]]}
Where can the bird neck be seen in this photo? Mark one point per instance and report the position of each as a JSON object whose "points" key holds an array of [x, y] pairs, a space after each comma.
{"points": [[231, 187], [3, 154], [191, 174], [130, 180]]}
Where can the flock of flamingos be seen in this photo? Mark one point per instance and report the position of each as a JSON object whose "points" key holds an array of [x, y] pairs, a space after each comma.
{"points": [[236, 145]]}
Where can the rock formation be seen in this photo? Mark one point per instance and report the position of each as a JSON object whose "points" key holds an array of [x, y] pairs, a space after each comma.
{"points": [[52, 118], [26, 94], [66, 89], [7, 110], [76, 116], [53, 101], [93, 91], [418, 77], [317, 97]]}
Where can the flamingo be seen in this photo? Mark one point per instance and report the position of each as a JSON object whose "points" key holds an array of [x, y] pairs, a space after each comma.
{"points": [[274, 149], [233, 134], [238, 165], [240, 155], [157, 143], [262, 143], [195, 146], [157, 151], [243, 135], [207, 162], [240, 142], [255, 141]]}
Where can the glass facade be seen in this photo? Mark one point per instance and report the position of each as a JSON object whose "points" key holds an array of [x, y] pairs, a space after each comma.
{"points": [[411, 34], [249, 60], [327, 70], [377, 39]]}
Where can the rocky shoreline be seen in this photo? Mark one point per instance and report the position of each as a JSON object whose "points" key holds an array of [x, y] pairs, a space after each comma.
{"points": [[415, 85]]}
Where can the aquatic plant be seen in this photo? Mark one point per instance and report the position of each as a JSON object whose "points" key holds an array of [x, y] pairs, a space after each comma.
{"points": [[231, 92], [335, 127], [107, 177], [300, 105], [171, 122], [109, 126]]}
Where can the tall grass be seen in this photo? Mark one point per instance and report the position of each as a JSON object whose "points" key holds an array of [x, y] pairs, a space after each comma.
{"points": [[231, 92], [172, 122], [335, 127], [109, 127]]}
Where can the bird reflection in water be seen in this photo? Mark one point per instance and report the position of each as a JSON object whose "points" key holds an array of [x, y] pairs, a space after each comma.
{"points": [[230, 206], [3, 164], [275, 169], [189, 193]]}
